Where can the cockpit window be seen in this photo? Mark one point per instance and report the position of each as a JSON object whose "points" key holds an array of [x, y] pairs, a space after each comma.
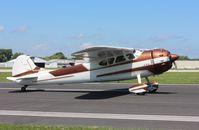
{"points": [[120, 59], [103, 63], [130, 56], [110, 60]]}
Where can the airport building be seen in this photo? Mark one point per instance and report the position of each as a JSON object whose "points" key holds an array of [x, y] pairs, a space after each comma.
{"points": [[187, 64], [55, 63]]}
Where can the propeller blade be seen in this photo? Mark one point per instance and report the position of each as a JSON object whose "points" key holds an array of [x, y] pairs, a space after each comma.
{"points": [[175, 65]]}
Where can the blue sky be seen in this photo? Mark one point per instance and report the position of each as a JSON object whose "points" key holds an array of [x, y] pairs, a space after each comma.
{"points": [[43, 27]]}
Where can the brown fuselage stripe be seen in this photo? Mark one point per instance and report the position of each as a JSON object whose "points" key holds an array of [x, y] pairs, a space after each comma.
{"points": [[70, 70], [36, 70], [162, 67]]}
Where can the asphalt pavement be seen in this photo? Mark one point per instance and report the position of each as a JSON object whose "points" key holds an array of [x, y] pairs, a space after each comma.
{"points": [[101, 105]]}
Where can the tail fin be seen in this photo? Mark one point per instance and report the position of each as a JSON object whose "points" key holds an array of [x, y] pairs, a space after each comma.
{"points": [[23, 65]]}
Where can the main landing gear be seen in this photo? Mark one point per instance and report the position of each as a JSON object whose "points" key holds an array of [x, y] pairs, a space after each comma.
{"points": [[143, 88], [23, 89]]}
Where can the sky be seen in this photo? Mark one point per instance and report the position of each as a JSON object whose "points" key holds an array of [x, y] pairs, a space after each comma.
{"points": [[43, 27]]}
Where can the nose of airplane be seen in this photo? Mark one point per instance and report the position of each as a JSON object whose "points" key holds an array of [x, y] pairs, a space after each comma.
{"points": [[174, 57]]}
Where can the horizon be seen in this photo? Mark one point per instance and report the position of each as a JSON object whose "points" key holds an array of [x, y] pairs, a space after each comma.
{"points": [[42, 28]]}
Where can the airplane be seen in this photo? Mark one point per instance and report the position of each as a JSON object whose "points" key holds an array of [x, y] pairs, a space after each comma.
{"points": [[102, 63]]}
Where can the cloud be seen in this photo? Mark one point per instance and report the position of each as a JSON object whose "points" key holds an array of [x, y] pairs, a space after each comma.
{"points": [[41, 47], [166, 37], [22, 29], [2, 28], [83, 36]]}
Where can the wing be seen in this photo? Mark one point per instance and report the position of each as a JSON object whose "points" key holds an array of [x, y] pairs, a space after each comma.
{"points": [[101, 52]]}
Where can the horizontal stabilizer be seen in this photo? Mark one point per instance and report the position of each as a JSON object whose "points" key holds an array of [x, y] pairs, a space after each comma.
{"points": [[24, 80], [12, 78]]}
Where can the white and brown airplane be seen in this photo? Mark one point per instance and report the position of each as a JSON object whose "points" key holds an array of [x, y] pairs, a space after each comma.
{"points": [[102, 64]]}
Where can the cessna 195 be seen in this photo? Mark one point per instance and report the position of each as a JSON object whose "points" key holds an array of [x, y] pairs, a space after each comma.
{"points": [[103, 64]]}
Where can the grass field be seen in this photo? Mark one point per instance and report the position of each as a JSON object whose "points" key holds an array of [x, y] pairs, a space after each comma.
{"points": [[35, 127], [3, 76], [166, 78], [172, 78], [5, 68]]}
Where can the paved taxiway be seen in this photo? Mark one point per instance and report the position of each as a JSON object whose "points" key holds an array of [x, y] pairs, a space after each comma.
{"points": [[173, 107]]}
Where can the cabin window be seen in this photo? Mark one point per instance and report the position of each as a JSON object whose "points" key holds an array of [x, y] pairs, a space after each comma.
{"points": [[120, 59], [110, 60], [103, 63], [130, 56]]}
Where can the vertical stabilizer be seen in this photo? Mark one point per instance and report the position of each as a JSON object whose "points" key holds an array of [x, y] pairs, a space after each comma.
{"points": [[23, 64]]}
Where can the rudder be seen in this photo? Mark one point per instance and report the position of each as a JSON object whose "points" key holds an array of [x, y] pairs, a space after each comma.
{"points": [[22, 65]]}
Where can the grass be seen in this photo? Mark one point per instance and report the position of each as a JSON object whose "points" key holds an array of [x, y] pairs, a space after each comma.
{"points": [[5, 68], [172, 78], [166, 78], [36, 127], [178, 78], [3, 76]]}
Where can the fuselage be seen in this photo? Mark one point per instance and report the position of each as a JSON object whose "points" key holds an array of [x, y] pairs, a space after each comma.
{"points": [[116, 67]]}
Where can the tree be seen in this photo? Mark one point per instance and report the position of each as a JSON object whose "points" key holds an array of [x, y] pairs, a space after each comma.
{"points": [[5, 55], [183, 58], [58, 55]]}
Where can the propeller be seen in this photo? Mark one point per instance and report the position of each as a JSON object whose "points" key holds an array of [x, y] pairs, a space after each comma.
{"points": [[173, 58], [175, 65]]}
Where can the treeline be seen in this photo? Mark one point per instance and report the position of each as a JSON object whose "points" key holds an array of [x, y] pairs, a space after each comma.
{"points": [[58, 55], [7, 55], [184, 58]]}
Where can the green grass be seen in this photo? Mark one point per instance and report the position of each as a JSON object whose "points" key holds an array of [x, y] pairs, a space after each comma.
{"points": [[36, 127], [172, 78], [166, 78], [5, 68], [3, 76], [178, 78]]}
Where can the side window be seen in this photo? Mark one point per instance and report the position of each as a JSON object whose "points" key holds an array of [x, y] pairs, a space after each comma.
{"points": [[130, 56], [110, 60], [120, 59], [103, 63]]}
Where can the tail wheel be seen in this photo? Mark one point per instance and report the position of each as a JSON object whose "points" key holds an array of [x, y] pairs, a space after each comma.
{"points": [[23, 89]]}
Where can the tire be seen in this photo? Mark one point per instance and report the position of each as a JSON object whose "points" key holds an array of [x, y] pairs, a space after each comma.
{"points": [[23, 89]]}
